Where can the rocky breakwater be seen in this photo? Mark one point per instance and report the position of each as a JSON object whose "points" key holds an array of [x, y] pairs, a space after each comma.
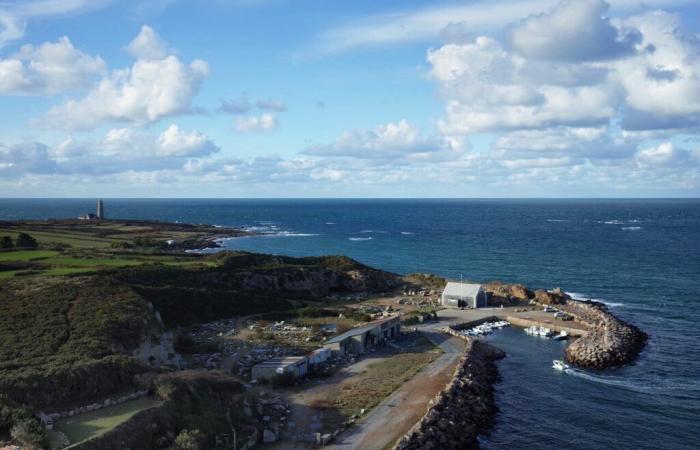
{"points": [[465, 408], [610, 342]]}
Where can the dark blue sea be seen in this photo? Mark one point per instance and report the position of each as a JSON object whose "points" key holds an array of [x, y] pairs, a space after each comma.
{"points": [[641, 257]]}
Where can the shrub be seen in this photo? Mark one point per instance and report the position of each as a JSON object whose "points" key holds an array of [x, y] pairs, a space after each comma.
{"points": [[189, 440], [29, 433], [6, 242], [26, 241]]}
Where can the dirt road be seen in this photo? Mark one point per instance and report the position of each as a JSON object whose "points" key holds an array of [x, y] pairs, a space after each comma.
{"points": [[394, 416]]}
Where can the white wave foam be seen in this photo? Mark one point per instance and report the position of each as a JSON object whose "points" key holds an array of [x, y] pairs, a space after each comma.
{"points": [[557, 220], [330, 223], [274, 231], [407, 233], [637, 386], [578, 296], [292, 234], [356, 239], [631, 228]]}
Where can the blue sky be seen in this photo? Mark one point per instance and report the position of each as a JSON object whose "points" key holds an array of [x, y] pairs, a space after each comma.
{"points": [[297, 98]]}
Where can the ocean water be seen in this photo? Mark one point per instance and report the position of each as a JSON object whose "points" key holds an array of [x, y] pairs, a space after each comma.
{"points": [[641, 257]]}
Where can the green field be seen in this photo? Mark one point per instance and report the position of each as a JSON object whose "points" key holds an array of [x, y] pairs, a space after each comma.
{"points": [[72, 261], [93, 424], [26, 255]]}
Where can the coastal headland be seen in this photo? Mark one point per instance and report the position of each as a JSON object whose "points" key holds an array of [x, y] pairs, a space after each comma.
{"points": [[112, 323]]}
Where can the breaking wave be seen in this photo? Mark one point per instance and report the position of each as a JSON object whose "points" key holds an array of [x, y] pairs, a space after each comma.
{"points": [[578, 296], [356, 239]]}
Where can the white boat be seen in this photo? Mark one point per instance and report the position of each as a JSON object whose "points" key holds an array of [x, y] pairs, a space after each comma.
{"points": [[560, 365], [561, 336]]}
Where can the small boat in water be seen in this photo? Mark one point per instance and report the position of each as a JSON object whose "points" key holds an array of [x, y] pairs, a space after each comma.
{"points": [[563, 335], [560, 365]]}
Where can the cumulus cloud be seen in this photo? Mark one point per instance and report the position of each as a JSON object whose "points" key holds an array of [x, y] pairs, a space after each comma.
{"points": [[487, 88], [148, 45], [120, 150], [146, 92], [662, 84], [665, 155], [49, 68], [574, 30], [263, 122], [173, 142], [391, 140]]}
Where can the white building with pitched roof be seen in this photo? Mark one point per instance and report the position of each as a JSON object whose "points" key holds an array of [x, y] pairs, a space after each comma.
{"points": [[463, 295]]}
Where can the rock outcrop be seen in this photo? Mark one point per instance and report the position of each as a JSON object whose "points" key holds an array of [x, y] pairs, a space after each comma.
{"points": [[610, 342], [464, 409], [513, 292]]}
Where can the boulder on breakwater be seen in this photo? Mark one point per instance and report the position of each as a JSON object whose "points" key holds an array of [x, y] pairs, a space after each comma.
{"points": [[465, 408], [610, 342]]}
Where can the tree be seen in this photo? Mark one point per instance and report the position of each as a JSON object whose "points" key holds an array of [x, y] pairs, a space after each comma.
{"points": [[6, 242], [26, 241], [189, 440], [29, 433]]}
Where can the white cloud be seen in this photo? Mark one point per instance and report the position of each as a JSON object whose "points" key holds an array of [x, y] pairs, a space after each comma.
{"points": [[14, 14], [120, 150], [241, 106], [662, 84], [423, 24], [148, 45], [173, 142], [487, 88], [11, 28], [271, 105], [387, 141], [49, 68], [149, 91], [665, 155], [574, 30], [263, 122]]}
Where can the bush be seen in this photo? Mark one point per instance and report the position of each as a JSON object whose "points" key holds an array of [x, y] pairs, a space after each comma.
{"points": [[29, 433], [6, 242], [26, 241], [190, 440]]}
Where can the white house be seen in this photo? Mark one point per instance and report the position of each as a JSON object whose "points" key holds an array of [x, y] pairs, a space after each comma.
{"points": [[463, 295]]}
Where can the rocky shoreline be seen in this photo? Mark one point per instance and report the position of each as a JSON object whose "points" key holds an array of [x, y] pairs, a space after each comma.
{"points": [[465, 408]]}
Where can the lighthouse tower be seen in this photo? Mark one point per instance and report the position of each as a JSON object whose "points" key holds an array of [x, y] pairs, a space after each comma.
{"points": [[100, 210]]}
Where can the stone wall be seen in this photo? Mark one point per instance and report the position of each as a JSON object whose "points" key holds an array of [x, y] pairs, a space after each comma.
{"points": [[465, 408]]}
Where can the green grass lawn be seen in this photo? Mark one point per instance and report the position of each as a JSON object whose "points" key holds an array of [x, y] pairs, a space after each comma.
{"points": [[96, 423], [73, 239]]}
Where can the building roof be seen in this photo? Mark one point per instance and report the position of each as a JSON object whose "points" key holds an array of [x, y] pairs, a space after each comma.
{"points": [[359, 330], [282, 361], [461, 290]]}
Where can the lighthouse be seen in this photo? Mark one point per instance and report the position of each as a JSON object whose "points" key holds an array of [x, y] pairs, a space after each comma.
{"points": [[100, 210]]}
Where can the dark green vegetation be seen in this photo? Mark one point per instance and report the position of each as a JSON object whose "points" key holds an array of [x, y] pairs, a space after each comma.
{"points": [[73, 310], [191, 407]]}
